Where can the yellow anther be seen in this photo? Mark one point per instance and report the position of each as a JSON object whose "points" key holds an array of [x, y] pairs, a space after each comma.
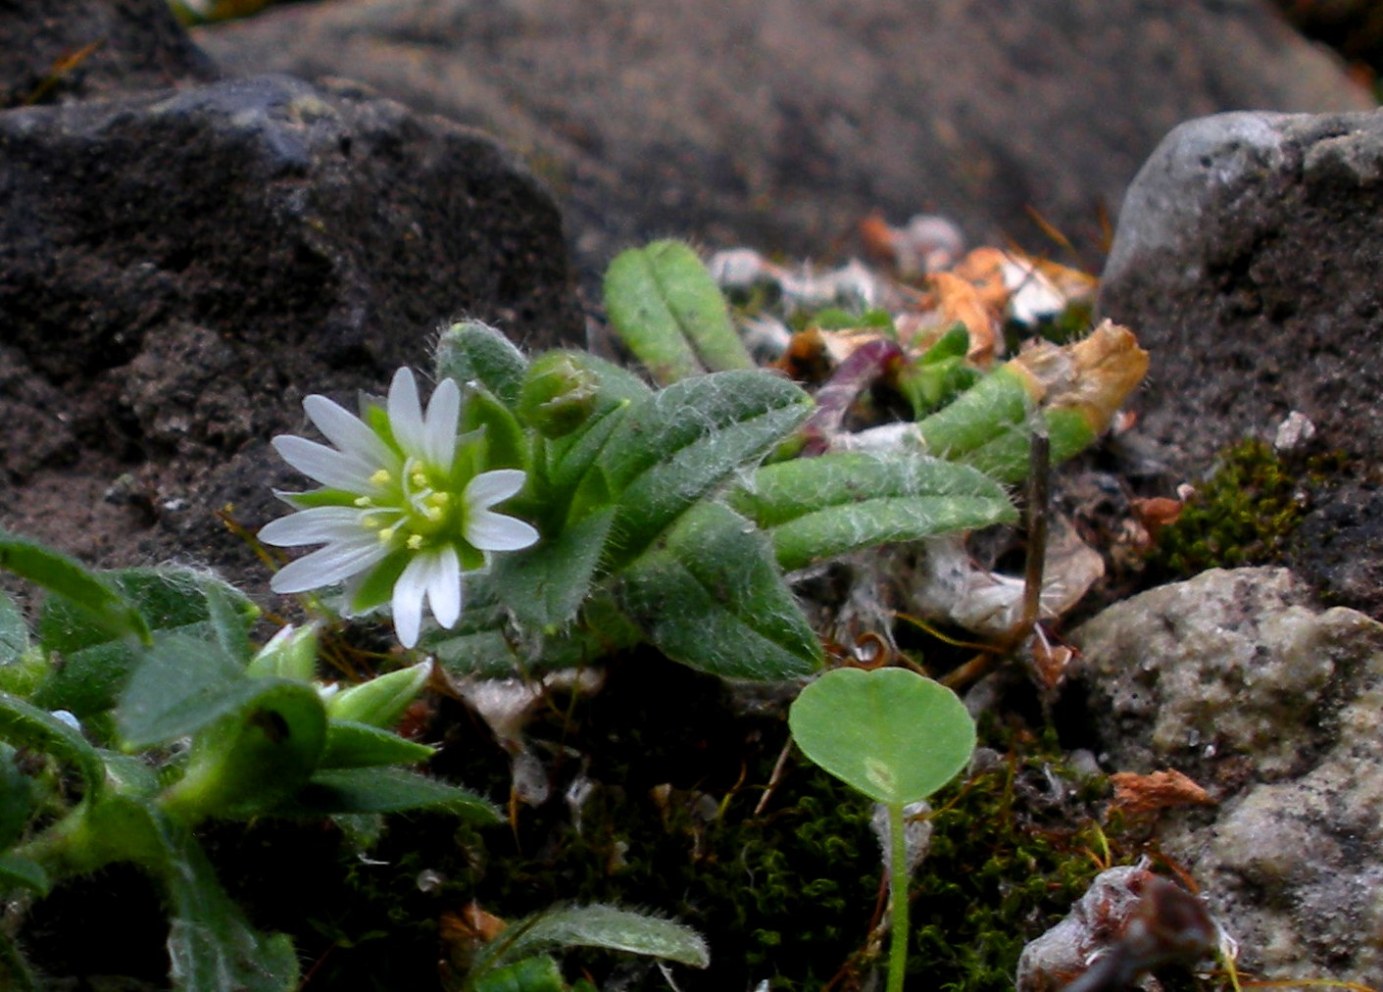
{"points": [[439, 500], [380, 478], [386, 534], [364, 502], [415, 542], [434, 513], [419, 478]]}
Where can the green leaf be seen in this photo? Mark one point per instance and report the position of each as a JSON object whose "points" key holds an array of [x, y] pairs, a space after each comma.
{"points": [[385, 790], [677, 446], [996, 405], [666, 307], [613, 929], [359, 745], [820, 508], [19, 872], [710, 596], [261, 751], [183, 684], [890, 733], [471, 351], [545, 585], [211, 946], [95, 669], [16, 797], [106, 609], [14, 634], [25, 725]]}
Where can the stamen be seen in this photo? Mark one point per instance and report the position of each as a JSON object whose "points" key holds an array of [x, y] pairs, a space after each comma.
{"points": [[381, 477], [415, 542], [434, 513], [418, 478], [386, 534], [364, 502]]}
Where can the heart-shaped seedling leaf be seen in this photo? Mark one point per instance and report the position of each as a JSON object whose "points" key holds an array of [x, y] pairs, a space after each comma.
{"points": [[894, 735]]}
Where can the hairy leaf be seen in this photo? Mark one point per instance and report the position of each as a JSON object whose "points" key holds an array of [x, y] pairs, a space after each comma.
{"points": [[666, 307], [710, 595], [819, 508]]}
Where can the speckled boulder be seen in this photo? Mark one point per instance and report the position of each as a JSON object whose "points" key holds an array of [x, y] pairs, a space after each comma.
{"points": [[1236, 679]]}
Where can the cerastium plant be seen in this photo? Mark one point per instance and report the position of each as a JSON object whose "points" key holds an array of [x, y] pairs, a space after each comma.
{"points": [[546, 511]]}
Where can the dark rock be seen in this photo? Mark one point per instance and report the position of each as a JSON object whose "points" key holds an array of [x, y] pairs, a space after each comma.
{"points": [[178, 269], [1246, 259], [57, 51], [1338, 547], [781, 124]]}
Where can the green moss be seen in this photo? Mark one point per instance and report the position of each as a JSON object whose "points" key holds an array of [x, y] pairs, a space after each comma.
{"points": [[1013, 847], [1244, 515]]}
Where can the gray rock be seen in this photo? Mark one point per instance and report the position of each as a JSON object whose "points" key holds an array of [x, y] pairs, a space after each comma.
{"points": [[1245, 257], [780, 123], [58, 51], [178, 268], [1277, 708]]}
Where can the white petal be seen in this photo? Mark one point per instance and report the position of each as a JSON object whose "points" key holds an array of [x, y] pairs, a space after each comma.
{"points": [[347, 431], [329, 565], [491, 531], [327, 465], [319, 525], [489, 488], [406, 414], [409, 591], [444, 587], [439, 438]]}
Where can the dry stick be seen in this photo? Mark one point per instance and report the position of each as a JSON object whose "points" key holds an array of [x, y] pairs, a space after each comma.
{"points": [[1039, 494]]}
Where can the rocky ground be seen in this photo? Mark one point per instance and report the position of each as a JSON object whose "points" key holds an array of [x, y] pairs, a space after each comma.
{"points": [[189, 245]]}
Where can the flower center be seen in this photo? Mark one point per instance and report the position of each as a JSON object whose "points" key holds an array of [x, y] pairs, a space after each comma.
{"points": [[416, 511]]}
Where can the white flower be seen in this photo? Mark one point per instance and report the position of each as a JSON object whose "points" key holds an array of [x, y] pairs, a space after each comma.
{"points": [[404, 510]]}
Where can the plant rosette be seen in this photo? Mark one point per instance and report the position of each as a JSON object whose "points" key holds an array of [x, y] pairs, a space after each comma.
{"points": [[404, 510]]}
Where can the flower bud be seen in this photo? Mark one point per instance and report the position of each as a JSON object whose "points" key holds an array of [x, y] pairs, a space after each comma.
{"points": [[289, 654], [381, 701], [558, 394]]}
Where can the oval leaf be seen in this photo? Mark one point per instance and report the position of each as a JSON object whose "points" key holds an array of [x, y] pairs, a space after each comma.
{"points": [[711, 597], [894, 735], [820, 508], [668, 309]]}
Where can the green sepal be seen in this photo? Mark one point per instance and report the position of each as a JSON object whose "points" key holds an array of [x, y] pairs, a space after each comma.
{"points": [[536, 974], [385, 790], [359, 745], [559, 394], [506, 442], [382, 700], [996, 405]]}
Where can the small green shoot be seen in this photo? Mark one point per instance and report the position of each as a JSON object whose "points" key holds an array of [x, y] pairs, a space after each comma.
{"points": [[895, 736]]}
